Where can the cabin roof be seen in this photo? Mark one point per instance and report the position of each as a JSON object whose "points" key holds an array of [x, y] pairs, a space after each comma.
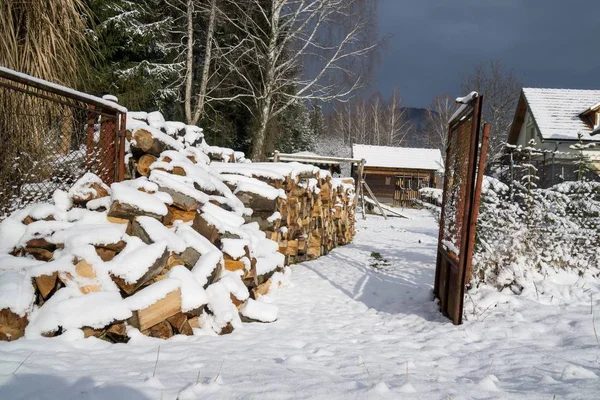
{"points": [[399, 157], [558, 113]]}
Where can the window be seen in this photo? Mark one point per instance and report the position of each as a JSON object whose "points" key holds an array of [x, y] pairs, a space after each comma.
{"points": [[388, 180]]}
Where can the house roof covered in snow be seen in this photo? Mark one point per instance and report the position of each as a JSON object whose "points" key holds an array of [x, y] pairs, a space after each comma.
{"points": [[558, 113], [399, 157]]}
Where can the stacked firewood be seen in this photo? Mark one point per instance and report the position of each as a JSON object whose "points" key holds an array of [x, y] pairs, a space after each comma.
{"points": [[314, 214], [191, 241]]}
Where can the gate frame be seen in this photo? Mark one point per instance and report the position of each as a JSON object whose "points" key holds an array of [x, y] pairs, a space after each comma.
{"points": [[451, 270], [113, 127]]}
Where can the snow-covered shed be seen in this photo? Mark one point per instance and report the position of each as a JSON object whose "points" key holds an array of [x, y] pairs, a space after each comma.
{"points": [[555, 119], [393, 172]]}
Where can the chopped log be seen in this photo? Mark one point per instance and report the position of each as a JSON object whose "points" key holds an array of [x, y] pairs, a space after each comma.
{"points": [[162, 330], [173, 261], [38, 254], [41, 243], [178, 171], [233, 265], [85, 270], [194, 322], [207, 230], [262, 289], [105, 254], [139, 231], [236, 302], [182, 201], [90, 288], [12, 326], [185, 216], [88, 332], [46, 284], [146, 143], [226, 330], [157, 312], [144, 163], [190, 257], [82, 199], [152, 272], [179, 322], [129, 212], [116, 333], [257, 202], [117, 247]]}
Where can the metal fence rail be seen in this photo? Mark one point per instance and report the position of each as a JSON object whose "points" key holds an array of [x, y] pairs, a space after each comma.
{"points": [[51, 136]]}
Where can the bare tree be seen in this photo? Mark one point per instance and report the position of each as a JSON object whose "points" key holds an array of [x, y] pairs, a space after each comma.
{"points": [[500, 88], [438, 117], [303, 50], [398, 126]]}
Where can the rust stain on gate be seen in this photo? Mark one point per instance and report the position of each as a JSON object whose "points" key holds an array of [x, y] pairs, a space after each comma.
{"points": [[465, 164]]}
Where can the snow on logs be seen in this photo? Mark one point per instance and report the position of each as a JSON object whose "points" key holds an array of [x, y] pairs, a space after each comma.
{"points": [[190, 243]]}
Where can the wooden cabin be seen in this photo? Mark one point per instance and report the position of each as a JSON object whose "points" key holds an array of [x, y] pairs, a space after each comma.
{"points": [[395, 174]]}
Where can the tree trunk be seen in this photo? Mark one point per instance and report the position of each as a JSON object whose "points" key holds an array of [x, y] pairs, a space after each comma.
{"points": [[189, 62], [206, 67]]}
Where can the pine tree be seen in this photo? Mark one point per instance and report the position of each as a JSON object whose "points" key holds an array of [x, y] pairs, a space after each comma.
{"points": [[582, 162], [134, 58]]}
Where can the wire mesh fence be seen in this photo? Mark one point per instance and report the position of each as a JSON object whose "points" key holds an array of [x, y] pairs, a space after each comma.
{"points": [[50, 138]]}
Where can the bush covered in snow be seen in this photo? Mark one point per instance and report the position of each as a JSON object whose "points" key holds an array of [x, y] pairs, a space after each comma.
{"points": [[531, 233]]}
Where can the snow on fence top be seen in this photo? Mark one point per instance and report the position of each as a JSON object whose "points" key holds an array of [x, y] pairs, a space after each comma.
{"points": [[399, 157], [59, 89], [557, 112]]}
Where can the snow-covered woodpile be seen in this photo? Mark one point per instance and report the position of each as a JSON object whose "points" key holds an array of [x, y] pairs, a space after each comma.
{"points": [[191, 243]]}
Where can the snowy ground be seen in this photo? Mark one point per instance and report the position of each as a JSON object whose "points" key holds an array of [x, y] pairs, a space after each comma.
{"points": [[346, 329]]}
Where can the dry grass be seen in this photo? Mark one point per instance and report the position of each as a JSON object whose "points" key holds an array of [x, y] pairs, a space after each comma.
{"points": [[44, 38]]}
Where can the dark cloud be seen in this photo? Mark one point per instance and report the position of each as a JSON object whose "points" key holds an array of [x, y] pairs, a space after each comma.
{"points": [[548, 43]]}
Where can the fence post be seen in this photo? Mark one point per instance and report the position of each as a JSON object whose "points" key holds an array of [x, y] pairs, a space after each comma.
{"points": [[89, 142], [121, 152]]}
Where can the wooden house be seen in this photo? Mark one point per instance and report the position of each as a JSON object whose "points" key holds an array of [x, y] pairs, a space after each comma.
{"points": [[395, 174], [557, 119]]}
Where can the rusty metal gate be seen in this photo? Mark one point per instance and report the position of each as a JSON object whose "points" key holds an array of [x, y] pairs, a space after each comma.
{"points": [[465, 165], [51, 136]]}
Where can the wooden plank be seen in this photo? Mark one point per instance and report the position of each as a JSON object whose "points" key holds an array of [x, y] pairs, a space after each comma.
{"points": [[157, 312]]}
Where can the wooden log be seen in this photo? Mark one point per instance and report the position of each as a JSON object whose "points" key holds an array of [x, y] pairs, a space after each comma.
{"points": [[207, 230], [116, 333], [190, 257], [144, 142], [157, 312], [12, 326], [180, 324], [262, 289], [38, 254], [233, 265], [154, 270], [46, 284], [162, 330], [128, 211], [182, 201], [85, 270], [257, 202], [95, 191], [41, 243], [144, 163], [105, 254], [181, 215]]}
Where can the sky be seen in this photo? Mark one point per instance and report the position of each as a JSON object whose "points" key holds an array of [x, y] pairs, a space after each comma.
{"points": [[432, 43]]}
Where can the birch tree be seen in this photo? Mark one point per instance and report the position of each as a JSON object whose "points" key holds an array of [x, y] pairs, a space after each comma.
{"points": [[303, 50], [438, 118]]}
